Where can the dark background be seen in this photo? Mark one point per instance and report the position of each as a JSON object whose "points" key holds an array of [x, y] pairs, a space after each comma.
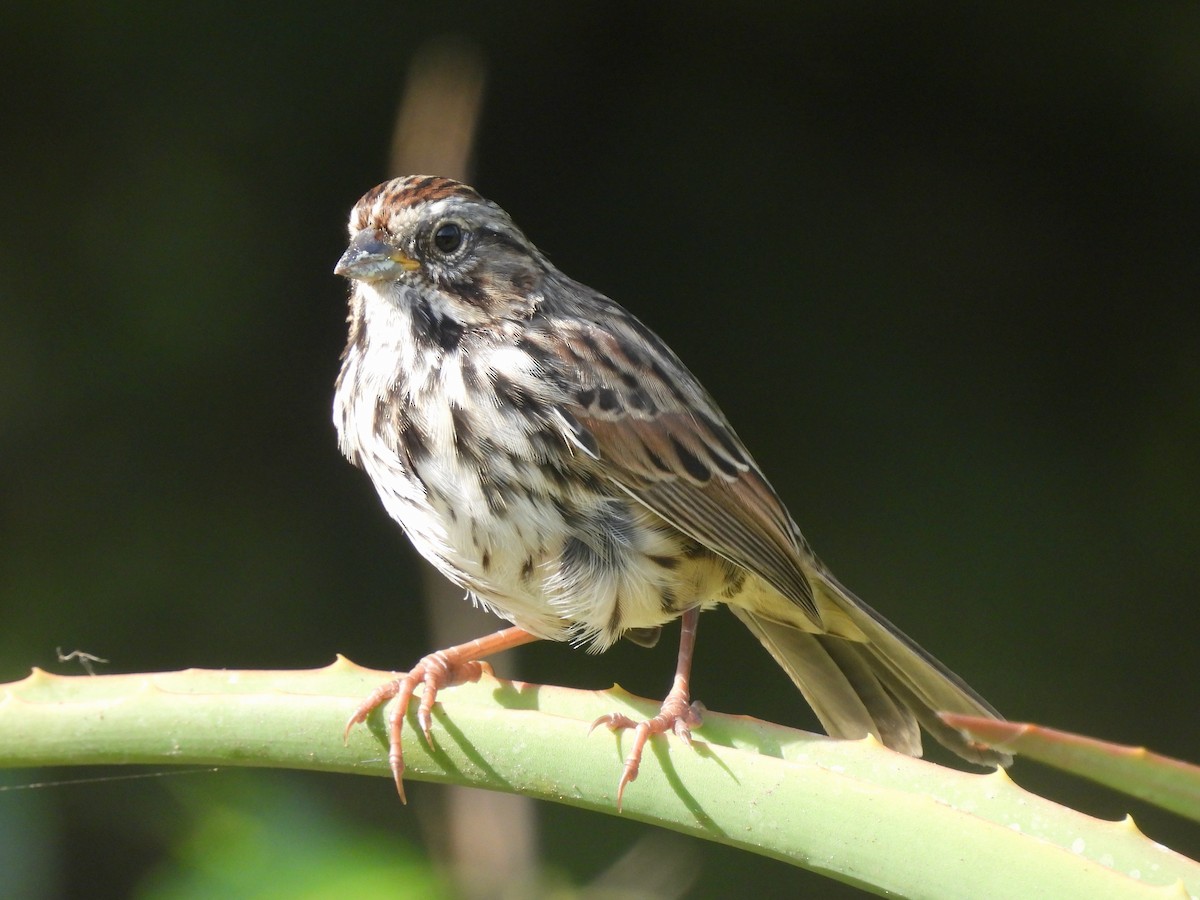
{"points": [[939, 265]]}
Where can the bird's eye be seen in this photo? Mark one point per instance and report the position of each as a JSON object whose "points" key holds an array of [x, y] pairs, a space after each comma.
{"points": [[448, 237]]}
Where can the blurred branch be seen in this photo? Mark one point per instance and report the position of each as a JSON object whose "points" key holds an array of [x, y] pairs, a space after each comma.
{"points": [[849, 809], [435, 126]]}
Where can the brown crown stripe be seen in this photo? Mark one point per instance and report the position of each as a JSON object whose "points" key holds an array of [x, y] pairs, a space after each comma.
{"points": [[414, 189]]}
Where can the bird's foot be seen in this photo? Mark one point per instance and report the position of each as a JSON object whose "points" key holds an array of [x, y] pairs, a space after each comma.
{"points": [[677, 714], [445, 668], [435, 671]]}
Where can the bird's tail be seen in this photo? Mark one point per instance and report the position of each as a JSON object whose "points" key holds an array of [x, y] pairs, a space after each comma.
{"points": [[886, 685]]}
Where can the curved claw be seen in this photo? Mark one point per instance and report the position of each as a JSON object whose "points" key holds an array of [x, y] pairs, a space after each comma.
{"points": [[445, 668], [676, 716], [434, 672], [677, 713], [377, 698], [613, 722]]}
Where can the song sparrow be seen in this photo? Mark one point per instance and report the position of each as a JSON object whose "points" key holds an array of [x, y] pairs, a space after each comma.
{"points": [[549, 453]]}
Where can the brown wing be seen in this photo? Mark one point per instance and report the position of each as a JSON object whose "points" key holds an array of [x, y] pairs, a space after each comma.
{"points": [[663, 439], [646, 423]]}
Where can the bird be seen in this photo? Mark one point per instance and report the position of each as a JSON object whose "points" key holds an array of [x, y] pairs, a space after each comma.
{"points": [[549, 454]]}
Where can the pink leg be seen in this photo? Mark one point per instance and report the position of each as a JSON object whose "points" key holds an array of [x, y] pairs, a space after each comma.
{"points": [[678, 713], [445, 668]]}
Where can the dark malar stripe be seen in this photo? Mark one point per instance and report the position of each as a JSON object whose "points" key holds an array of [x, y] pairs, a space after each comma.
{"points": [[442, 331]]}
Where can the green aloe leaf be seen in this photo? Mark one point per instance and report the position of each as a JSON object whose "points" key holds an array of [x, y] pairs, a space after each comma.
{"points": [[850, 809], [1170, 783]]}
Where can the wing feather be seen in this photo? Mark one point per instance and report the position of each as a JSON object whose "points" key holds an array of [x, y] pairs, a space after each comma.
{"points": [[643, 421], [688, 467]]}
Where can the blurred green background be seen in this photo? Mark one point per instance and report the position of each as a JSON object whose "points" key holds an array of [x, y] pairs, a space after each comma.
{"points": [[939, 264]]}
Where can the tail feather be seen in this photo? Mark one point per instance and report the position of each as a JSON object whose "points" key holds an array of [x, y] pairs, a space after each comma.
{"points": [[948, 737], [886, 685], [839, 683]]}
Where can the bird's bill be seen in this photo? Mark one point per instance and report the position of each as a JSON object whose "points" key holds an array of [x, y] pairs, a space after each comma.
{"points": [[371, 257]]}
